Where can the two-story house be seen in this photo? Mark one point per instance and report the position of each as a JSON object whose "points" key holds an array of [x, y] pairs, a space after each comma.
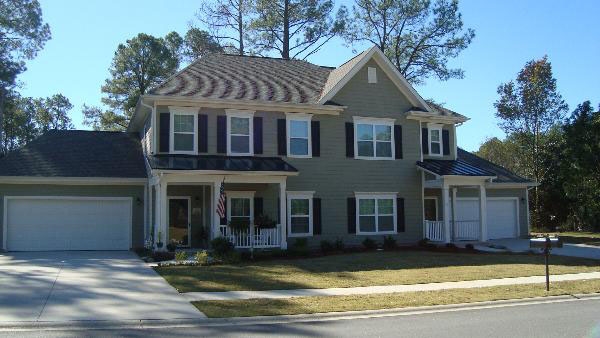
{"points": [[325, 153]]}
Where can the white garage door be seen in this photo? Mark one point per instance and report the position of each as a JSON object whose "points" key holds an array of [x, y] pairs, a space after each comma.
{"points": [[66, 223], [502, 218]]}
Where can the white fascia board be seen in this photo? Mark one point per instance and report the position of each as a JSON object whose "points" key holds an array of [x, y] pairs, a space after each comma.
{"points": [[72, 180]]}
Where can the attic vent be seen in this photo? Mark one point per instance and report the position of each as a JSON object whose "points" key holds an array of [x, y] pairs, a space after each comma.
{"points": [[372, 74]]}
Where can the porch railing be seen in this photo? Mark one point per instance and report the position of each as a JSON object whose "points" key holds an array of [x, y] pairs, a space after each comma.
{"points": [[466, 230], [262, 237], [434, 230]]}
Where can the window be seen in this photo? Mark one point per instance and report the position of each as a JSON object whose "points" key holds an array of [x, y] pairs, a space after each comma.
{"points": [[376, 214], [184, 128], [373, 138], [299, 135], [239, 132], [240, 205], [372, 74], [431, 213], [300, 214], [435, 139]]}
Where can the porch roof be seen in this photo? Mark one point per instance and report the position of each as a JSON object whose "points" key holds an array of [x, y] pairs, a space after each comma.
{"points": [[457, 167], [219, 163]]}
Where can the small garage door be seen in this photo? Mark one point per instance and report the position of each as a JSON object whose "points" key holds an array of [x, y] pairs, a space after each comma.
{"points": [[67, 223], [502, 218]]}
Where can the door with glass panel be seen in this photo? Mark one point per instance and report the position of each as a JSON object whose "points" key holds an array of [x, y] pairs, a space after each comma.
{"points": [[179, 221]]}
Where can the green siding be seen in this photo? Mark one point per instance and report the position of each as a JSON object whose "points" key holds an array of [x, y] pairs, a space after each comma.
{"points": [[84, 190]]}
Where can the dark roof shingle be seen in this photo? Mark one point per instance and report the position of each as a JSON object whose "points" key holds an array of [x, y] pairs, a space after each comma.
{"points": [[77, 153]]}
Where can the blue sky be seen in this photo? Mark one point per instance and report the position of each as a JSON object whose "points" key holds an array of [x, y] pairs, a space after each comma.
{"points": [[85, 35]]}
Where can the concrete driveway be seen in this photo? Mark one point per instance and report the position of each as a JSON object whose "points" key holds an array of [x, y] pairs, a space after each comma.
{"points": [[85, 285], [574, 250]]}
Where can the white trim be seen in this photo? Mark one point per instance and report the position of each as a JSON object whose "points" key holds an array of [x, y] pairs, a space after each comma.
{"points": [[229, 173], [289, 117], [303, 195], [376, 197], [438, 127], [434, 117], [392, 72], [189, 227], [55, 197], [371, 75], [374, 122], [437, 215], [241, 195], [183, 111], [72, 180], [243, 114]]}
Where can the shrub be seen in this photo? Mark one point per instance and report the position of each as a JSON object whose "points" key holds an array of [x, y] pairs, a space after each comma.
{"points": [[339, 244], [221, 246], [326, 246], [450, 245], [369, 244], [159, 256], [423, 242], [202, 257], [300, 247], [232, 257], [469, 246], [171, 247], [181, 256], [389, 242]]}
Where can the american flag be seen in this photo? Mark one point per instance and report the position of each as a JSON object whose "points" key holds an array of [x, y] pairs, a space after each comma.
{"points": [[221, 203]]}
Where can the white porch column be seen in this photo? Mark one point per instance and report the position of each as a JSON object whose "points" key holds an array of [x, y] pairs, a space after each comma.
{"points": [[162, 205], [283, 213], [483, 212], [446, 204], [216, 220], [454, 210]]}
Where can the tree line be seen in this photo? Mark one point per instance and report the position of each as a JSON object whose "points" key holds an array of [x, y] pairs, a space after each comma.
{"points": [[558, 150]]}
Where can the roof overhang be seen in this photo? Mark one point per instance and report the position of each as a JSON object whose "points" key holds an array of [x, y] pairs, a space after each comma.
{"points": [[72, 180], [224, 172], [433, 117]]}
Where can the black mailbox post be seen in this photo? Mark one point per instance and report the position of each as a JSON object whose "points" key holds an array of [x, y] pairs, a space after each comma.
{"points": [[546, 244]]}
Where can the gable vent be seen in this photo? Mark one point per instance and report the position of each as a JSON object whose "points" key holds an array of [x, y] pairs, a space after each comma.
{"points": [[372, 74]]}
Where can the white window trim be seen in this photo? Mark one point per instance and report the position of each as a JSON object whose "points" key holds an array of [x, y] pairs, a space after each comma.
{"points": [[376, 196], [437, 212], [298, 117], [249, 114], [372, 74], [240, 194], [438, 127], [182, 111], [374, 121], [300, 195]]}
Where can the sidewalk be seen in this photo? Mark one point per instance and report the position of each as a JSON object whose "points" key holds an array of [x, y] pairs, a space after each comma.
{"points": [[368, 290]]}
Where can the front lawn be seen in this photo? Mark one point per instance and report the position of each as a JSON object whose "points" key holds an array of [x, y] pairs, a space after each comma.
{"points": [[366, 269], [273, 307]]}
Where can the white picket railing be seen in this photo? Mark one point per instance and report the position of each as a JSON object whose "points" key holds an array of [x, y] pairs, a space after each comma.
{"points": [[263, 237], [466, 230], [434, 230]]}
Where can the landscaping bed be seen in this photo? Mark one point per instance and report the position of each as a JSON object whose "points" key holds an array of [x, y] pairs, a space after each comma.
{"points": [[301, 305], [393, 267]]}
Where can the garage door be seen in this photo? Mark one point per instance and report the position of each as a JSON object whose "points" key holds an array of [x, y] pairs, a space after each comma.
{"points": [[502, 218], [67, 223]]}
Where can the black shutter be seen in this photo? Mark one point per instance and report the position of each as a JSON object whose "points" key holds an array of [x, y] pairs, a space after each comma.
{"points": [[164, 133], [202, 133], [446, 141], [315, 132], [223, 221], [281, 138], [221, 134], [349, 139], [400, 222], [398, 140], [258, 135], [316, 216], [258, 206], [351, 209], [425, 140]]}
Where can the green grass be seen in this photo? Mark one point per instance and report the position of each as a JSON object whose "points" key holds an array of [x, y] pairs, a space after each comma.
{"points": [[366, 269], [299, 305], [589, 238]]}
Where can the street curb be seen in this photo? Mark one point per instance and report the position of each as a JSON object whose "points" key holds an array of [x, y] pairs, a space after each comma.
{"points": [[264, 320]]}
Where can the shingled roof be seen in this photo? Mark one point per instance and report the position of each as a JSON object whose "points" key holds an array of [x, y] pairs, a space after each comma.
{"points": [[234, 77], [77, 153]]}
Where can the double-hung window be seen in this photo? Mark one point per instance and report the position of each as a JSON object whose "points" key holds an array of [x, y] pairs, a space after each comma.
{"points": [[184, 130], [299, 135], [240, 132], [240, 206], [376, 213], [300, 209], [435, 139], [373, 139]]}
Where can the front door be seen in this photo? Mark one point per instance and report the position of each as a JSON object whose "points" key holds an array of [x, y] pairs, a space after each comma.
{"points": [[179, 221]]}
